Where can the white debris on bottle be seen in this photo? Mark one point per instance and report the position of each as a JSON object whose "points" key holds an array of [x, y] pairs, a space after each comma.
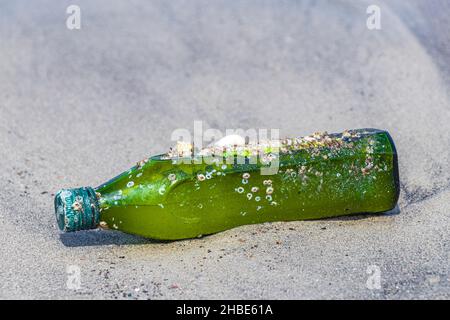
{"points": [[235, 145]]}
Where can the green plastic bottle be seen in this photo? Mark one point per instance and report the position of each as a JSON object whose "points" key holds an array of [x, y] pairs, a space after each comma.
{"points": [[172, 197]]}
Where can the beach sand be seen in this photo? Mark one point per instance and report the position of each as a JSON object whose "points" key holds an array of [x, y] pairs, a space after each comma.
{"points": [[78, 107]]}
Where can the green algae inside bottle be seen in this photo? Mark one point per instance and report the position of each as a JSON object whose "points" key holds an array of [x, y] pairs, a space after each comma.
{"points": [[172, 197]]}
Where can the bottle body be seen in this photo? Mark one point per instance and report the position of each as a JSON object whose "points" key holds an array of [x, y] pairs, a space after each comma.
{"points": [[327, 176]]}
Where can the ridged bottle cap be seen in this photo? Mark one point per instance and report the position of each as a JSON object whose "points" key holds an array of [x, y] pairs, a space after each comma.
{"points": [[77, 209]]}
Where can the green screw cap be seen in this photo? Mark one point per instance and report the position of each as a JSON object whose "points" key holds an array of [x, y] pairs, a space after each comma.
{"points": [[77, 209]]}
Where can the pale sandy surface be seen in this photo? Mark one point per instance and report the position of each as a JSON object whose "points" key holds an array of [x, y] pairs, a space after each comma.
{"points": [[78, 107]]}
